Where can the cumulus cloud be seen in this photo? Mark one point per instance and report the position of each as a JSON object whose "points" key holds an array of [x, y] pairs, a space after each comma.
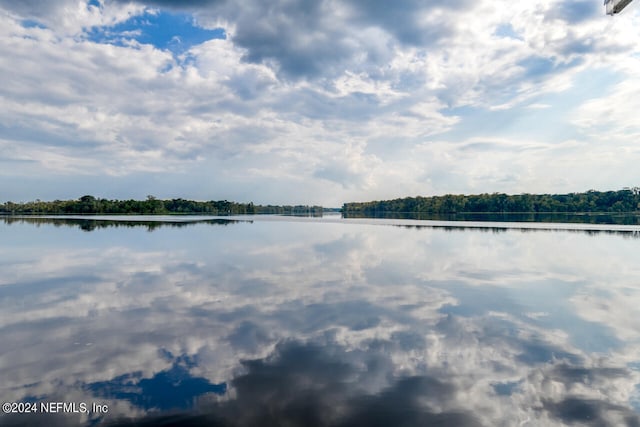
{"points": [[283, 87], [70, 17]]}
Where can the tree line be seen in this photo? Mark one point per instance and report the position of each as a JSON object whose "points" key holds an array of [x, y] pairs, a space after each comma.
{"points": [[625, 200], [90, 205]]}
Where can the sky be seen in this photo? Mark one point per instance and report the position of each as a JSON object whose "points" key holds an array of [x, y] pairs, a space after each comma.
{"points": [[316, 101]]}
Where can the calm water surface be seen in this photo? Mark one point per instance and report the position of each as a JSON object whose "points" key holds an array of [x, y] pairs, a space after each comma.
{"points": [[319, 322]]}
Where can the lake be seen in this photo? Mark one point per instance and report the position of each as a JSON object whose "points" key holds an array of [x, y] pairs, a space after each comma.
{"points": [[243, 321]]}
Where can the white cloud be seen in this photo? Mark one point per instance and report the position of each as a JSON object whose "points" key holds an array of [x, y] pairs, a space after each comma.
{"points": [[294, 85]]}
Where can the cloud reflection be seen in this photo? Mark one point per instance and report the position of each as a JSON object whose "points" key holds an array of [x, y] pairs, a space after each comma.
{"points": [[313, 385], [320, 324]]}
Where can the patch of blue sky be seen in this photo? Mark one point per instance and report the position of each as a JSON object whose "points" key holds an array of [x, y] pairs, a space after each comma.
{"points": [[516, 122], [176, 32], [634, 401], [539, 67], [507, 31], [551, 109], [30, 23], [506, 389]]}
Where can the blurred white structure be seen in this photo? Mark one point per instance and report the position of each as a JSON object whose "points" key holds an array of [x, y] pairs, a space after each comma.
{"points": [[615, 6]]}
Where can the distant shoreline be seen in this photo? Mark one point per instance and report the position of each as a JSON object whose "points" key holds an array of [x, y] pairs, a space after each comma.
{"points": [[90, 205], [448, 207], [591, 202]]}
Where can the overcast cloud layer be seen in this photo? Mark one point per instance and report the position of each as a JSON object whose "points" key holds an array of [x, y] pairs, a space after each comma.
{"points": [[320, 101]]}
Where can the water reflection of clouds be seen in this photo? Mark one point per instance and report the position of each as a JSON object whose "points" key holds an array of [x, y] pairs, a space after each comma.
{"points": [[340, 325]]}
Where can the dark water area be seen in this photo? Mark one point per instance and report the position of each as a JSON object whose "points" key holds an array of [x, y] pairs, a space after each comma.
{"points": [[273, 321], [542, 217], [91, 223]]}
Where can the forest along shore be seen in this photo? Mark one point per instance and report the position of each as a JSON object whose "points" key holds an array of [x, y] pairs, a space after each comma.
{"points": [[89, 205], [626, 200]]}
